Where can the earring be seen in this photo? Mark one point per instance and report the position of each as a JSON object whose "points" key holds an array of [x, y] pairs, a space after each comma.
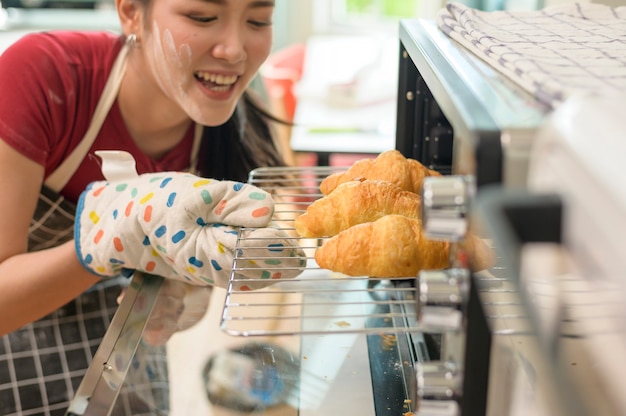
{"points": [[131, 40]]}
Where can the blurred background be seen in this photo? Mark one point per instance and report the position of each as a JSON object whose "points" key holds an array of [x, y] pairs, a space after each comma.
{"points": [[294, 21]]}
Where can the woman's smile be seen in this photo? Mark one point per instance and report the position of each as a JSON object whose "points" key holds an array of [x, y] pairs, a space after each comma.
{"points": [[217, 80], [216, 84]]}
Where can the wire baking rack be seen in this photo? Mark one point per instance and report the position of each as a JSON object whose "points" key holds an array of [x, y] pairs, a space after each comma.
{"points": [[317, 301]]}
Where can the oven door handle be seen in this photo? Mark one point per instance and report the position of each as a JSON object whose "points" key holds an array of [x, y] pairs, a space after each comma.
{"points": [[516, 217]]}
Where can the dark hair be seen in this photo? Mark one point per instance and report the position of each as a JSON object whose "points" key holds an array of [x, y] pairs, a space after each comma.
{"points": [[245, 142]]}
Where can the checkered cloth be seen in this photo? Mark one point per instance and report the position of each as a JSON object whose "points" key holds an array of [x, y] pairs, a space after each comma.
{"points": [[53, 222], [552, 53], [43, 363]]}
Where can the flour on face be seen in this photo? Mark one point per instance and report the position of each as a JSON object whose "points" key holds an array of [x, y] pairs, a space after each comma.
{"points": [[172, 69]]}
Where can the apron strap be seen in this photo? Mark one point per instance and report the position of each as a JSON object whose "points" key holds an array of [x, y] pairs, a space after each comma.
{"points": [[61, 176]]}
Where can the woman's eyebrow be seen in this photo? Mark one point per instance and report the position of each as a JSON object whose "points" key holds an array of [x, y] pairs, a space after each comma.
{"points": [[263, 3]]}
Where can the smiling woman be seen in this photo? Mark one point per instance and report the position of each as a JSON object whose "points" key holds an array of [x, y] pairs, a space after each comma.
{"points": [[171, 90]]}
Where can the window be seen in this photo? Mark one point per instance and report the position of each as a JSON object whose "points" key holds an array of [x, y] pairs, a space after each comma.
{"points": [[366, 15], [379, 9]]}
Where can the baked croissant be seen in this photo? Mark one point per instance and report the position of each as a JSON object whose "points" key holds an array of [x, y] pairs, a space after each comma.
{"points": [[393, 246], [390, 166], [388, 247], [355, 202]]}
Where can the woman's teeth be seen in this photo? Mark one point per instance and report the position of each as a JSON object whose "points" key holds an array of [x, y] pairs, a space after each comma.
{"points": [[217, 81]]}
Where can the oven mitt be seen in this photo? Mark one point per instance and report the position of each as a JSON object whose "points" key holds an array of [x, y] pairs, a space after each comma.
{"points": [[179, 226]]}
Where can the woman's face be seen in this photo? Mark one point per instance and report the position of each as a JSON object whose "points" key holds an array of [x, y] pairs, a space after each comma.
{"points": [[204, 53]]}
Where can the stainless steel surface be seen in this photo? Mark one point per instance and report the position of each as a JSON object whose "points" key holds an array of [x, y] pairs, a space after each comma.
{"points": [[439, 408], [442, 288], [106, 374], [445, 206], [438, 381]]}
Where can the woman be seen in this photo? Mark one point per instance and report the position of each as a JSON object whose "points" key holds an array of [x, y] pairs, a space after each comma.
{"points": [[180, 63]]}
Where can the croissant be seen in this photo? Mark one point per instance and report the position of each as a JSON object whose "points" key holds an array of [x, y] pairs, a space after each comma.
{"points": [[355, 202], [390, 166], [392, 246]]}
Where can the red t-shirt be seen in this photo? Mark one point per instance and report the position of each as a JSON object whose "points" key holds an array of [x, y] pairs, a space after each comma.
{"points": [[50, 84]]}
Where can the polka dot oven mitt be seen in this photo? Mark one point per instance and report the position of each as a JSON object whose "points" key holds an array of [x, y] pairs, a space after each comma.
{"points": [[178, 226]]}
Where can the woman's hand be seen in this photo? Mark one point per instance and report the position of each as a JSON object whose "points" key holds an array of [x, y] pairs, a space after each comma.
{"points": [[178, 226]]}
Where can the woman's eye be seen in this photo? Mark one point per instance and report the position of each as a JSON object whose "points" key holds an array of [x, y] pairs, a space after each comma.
{"points": [[201, 19], [260, 23]]}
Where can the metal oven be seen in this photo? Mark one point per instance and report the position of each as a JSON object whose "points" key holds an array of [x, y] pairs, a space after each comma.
{"points": [[522, 174]]}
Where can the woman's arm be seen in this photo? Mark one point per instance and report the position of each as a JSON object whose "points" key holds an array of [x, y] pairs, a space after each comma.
{"points": [[31, 284]]}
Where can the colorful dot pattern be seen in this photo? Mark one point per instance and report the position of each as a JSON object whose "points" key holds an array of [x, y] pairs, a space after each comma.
{"points": [[172, 224]]}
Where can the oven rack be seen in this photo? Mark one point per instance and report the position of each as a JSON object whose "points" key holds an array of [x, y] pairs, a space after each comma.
{"points": [[317, 301]]}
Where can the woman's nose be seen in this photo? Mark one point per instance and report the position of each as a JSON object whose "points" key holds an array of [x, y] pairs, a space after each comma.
{"points": [[230, 46]]}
